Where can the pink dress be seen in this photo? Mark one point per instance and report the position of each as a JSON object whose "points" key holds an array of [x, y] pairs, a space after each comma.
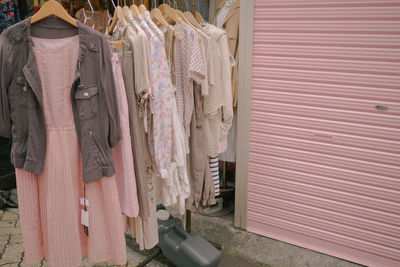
{"points": [[122, 152], [50, 210]]}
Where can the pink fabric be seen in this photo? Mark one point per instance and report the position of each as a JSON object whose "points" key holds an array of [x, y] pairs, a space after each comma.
{"points": [[122, 152], [49, 203]]}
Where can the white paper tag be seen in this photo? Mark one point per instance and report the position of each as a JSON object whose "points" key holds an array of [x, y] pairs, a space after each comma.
{"points": [[85, 218], [84, 202]]}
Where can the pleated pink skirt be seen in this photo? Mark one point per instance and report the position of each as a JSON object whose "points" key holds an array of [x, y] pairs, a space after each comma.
{"points": [[49, 203]]}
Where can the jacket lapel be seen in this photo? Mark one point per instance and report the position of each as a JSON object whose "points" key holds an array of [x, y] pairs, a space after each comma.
{"points": [[232, 10]]}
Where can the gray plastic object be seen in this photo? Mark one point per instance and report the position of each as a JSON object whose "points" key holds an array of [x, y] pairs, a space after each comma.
{"points": [[185, 250]]}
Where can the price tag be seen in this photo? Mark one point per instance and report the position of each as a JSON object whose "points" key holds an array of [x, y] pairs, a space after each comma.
{"points": [[84, 202], [85, 218]]}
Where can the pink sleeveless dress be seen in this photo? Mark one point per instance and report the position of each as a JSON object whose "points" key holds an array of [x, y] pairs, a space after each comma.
{"points": [[49, 203]]}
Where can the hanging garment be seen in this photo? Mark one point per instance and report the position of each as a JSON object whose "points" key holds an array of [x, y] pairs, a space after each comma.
{"points": [[154, 27], [230, 153], [169, 49], [122, 152], [144, 227], [141, 155], [189, 67], [49, 203], [98, 19], [175, 188], [161, 130], [209, 54], [205, 53], [141, 53], [218, 105], [231, 25], [92, 97], [9, 14], [202, 188]]}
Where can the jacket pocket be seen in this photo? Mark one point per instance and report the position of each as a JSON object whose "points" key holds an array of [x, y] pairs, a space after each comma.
{"points": [[87, 101], [101, 156], [24, 94]]}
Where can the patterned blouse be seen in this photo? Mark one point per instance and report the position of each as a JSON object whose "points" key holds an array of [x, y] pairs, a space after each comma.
{"points": [[189, 67]]}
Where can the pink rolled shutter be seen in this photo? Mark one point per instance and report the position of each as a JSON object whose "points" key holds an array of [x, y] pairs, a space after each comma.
{"points": [[324, 168]]}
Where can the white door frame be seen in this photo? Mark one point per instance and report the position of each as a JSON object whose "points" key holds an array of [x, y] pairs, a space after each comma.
{"points": [[245, 70]]}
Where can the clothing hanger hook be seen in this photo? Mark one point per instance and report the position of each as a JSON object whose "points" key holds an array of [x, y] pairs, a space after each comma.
{"points": [[109, 18], [91, 14], [124, 2], [112, 1]]}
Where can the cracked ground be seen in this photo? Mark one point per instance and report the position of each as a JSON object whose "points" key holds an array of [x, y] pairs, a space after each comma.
{"points": [[12, 249]]}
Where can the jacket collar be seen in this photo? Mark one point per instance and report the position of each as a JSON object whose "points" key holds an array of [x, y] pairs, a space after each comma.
{"points": [[86, 41]]}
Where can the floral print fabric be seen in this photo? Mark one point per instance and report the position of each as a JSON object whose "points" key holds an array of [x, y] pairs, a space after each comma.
{"points": [[161, 128]]}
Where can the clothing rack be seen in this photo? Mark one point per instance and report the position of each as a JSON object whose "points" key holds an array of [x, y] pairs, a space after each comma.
{"points": [[187, 217]]}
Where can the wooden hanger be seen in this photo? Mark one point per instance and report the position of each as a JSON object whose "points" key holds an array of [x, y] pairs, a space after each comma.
{"points": [[125, 10], [50, 8], [118, 16], [189, 16], [163, 9], [198, 17], [135, 11], [171, 14], [158, 17], [180, 15], [142, 9]]}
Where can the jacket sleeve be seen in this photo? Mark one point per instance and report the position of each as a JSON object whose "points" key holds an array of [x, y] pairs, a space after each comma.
{"points": [[5, 79], [108, 85]]}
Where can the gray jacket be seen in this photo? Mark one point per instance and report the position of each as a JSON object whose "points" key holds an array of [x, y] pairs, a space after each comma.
{"points": [[92, 95]]}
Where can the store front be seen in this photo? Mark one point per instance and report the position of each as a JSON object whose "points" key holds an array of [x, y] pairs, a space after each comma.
{"points": [[323, 138]]}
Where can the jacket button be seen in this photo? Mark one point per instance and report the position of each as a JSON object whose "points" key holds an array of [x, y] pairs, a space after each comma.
{"points": [[92, 46], [24, 88], [18, 37], [86, 94]]}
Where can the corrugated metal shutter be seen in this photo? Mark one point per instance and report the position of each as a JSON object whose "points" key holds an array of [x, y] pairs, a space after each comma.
{"points": [[324, 169]]}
